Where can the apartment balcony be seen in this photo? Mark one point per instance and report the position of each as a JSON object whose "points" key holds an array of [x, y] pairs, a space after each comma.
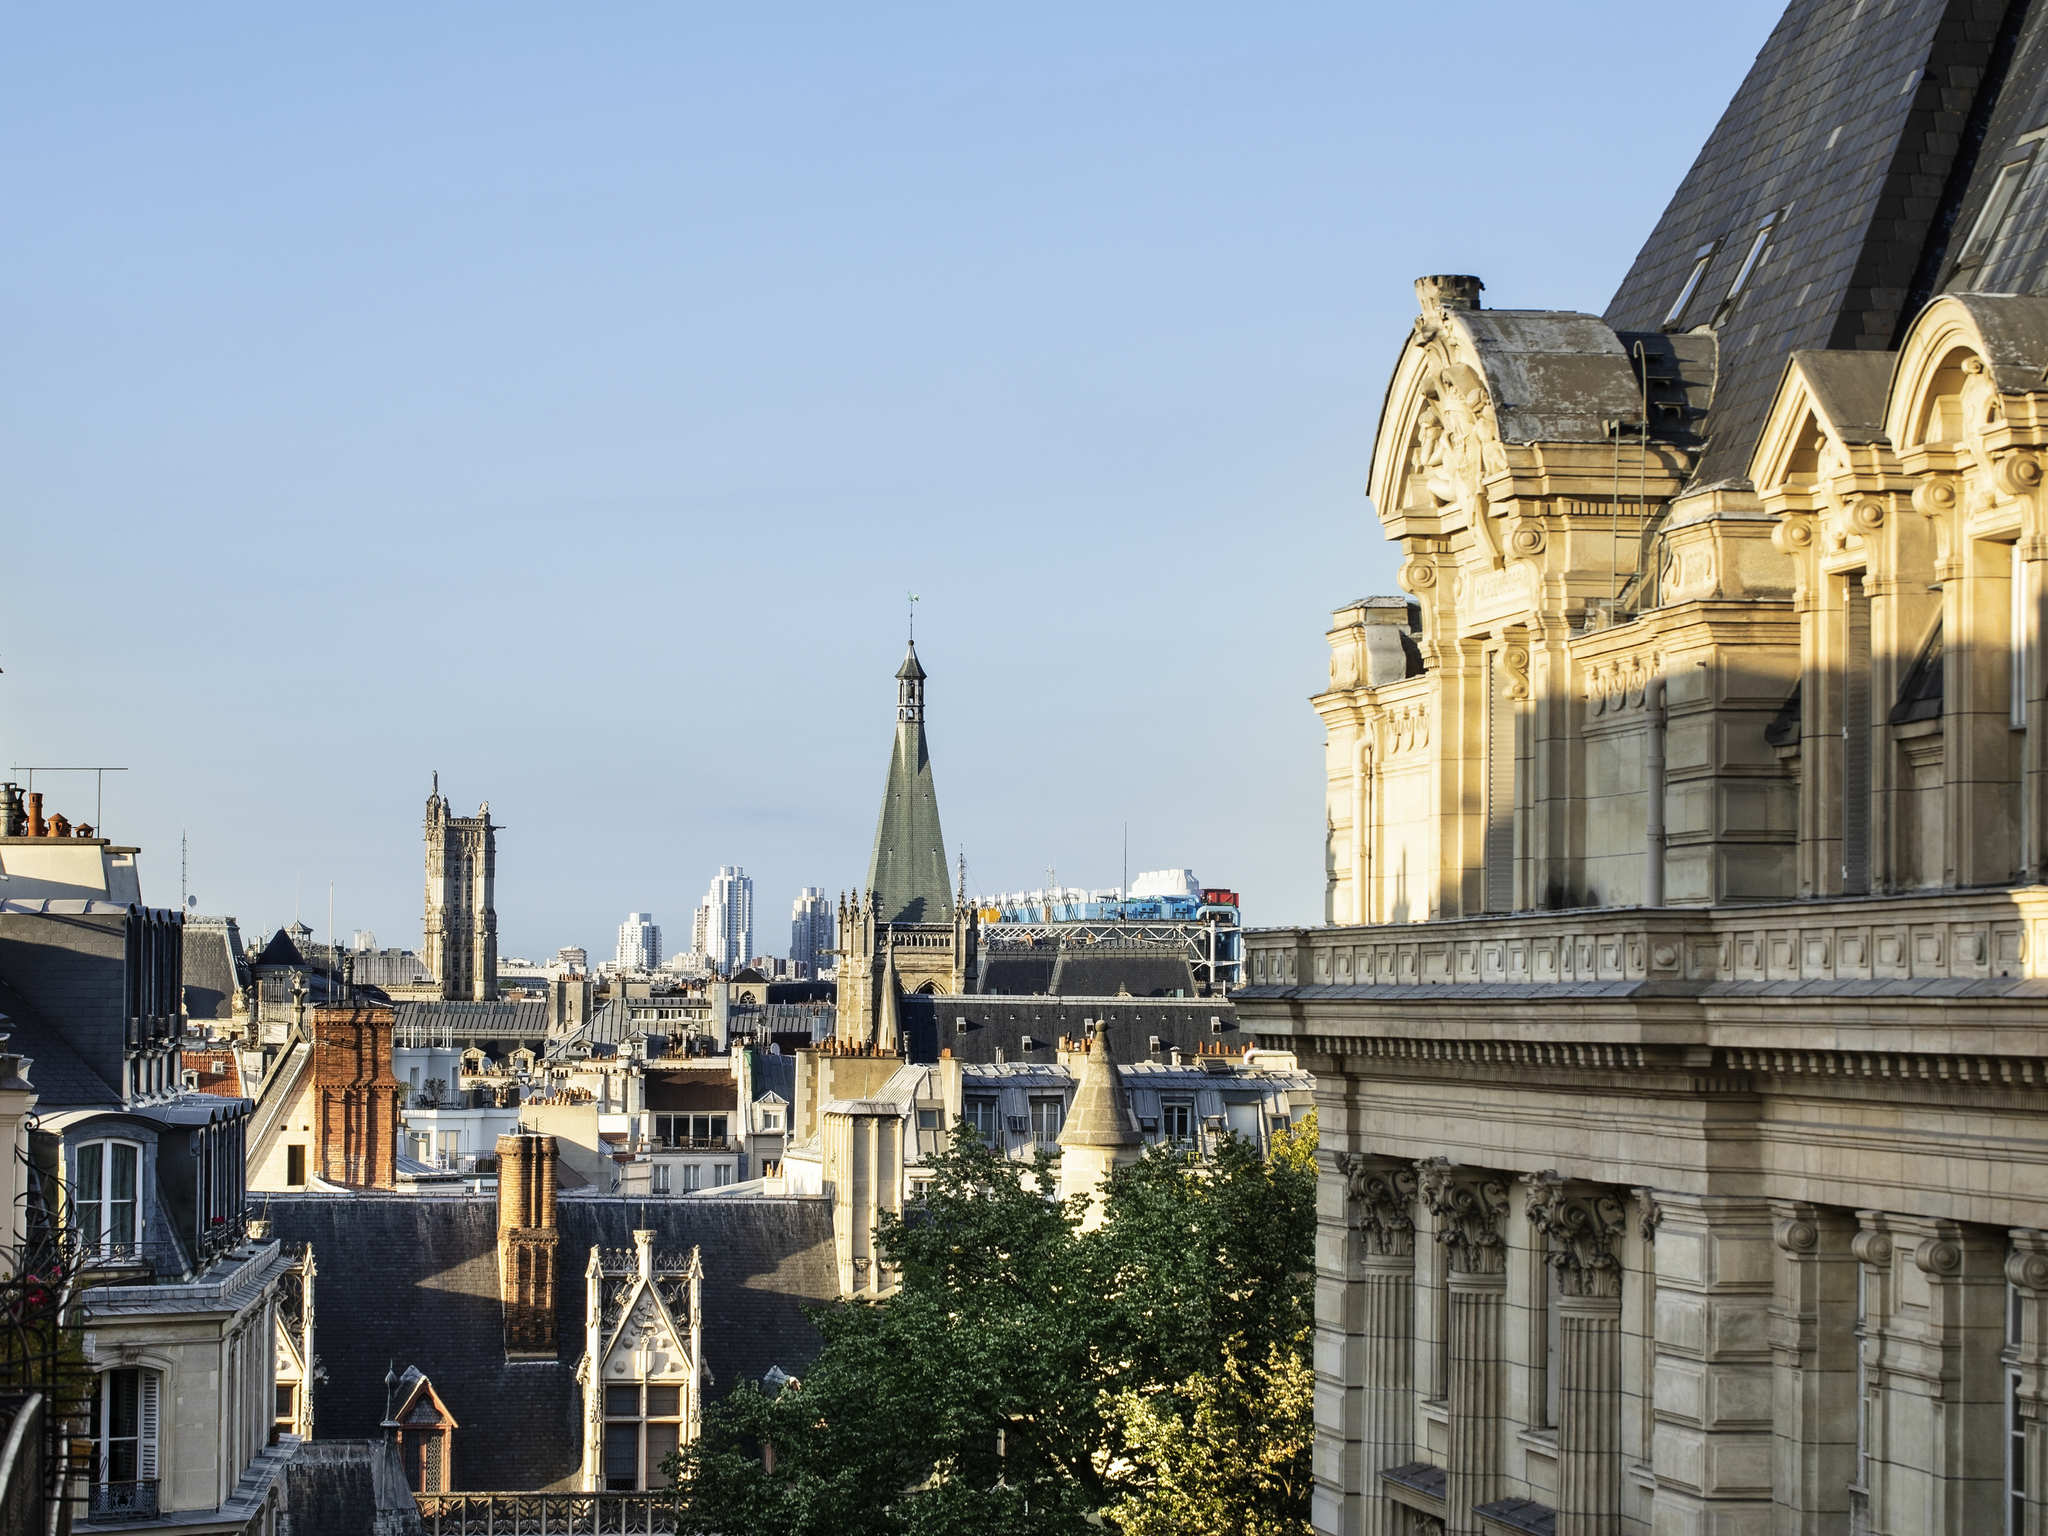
{"points": [[107, 1502]]}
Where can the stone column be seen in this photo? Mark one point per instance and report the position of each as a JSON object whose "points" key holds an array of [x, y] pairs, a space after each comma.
{"points": [[1470, 1205], [1712, 1452], [1583, 1225], [1941, 1433], [1813, 1367], [1379, 1308], [2026, 1269]]}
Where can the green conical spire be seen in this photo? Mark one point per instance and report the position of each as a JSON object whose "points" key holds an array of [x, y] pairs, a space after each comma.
{"points": [[908, 871]]}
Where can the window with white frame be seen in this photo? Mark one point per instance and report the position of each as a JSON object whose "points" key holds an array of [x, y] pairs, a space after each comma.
{"points": [[123, 1425], [1048, 1115], [658, 1178], [979, 1111], [105, 1179], [1177, 1120], [642, 1425]]}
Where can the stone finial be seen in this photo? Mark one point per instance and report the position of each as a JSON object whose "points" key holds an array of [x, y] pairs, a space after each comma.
{"points": [[1469, 1205], [1448, 291], [1581, 1223]]}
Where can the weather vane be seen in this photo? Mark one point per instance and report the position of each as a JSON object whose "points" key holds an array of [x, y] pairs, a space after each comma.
{"points": [[913, 618]]}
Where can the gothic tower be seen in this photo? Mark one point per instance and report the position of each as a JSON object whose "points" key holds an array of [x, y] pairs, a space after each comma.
{"points": [[905, 932], [461, 951]]}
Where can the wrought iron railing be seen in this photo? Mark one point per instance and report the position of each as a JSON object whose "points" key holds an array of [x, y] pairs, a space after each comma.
{"points": [[546, 1514], [41, 1340], [122, 1501]]}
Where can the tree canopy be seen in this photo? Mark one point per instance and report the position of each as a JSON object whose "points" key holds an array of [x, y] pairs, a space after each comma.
{"points": [[1150, 1375]]}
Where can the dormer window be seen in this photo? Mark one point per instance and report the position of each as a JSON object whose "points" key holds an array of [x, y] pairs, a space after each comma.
{"points": [[1674, 317], [105, 1178], [1759, 243]]}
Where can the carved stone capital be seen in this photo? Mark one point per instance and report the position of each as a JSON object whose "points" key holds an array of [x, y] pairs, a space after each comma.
{"points": [[1381, 1193], [1937, 1256], [1581, 1223], [1872, 1247], [1470, 1206], [1796, 1231], [2027, 1265]]}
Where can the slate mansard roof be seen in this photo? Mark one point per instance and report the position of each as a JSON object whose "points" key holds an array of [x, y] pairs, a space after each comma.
{"points": [[1002, 1024], [1867, 131], [413, 1280]]}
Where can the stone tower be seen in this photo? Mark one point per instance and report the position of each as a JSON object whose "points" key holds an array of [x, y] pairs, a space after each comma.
{"points": [[461, 950], [1101, 1133], [906, 932]]}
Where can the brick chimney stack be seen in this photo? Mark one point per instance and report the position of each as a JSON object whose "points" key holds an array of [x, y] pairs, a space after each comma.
{"points": [[356, 1096], [527, 1242]]}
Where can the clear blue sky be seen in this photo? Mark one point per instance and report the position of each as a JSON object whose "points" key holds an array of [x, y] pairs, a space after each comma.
{"points": [[564, 397]]}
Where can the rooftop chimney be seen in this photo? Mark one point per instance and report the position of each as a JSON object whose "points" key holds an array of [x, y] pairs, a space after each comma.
{"points": [[1448, 291], [527, 1242]]}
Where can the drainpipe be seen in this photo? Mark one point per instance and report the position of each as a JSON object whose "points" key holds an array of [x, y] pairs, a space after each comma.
{"points": [[1653, 809]]}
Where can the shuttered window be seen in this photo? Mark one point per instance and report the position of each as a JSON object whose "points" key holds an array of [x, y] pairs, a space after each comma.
{"points": [[1500, 789], [1855, 740]]}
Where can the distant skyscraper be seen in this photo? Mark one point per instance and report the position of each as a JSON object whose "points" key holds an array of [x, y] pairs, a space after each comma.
{"points": [[573, 958], [362, 938], [811, 938], [462, 920], [639, 942], [700, 928], [729, 919]]}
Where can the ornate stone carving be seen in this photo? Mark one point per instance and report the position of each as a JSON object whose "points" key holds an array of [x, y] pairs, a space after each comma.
{"points": [[1581, 1223], [1871, 1247], [1653, 1214], [1382, 1195], [1796, 1234], [1938, 1256], [1470, 1205], [1515, 660], [2027, 1267], [1416, 575]]}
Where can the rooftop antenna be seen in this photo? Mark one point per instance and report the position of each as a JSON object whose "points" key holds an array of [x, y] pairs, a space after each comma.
{"points": [[99, 792], [913, 618], [1125, 891], [184, 892]]}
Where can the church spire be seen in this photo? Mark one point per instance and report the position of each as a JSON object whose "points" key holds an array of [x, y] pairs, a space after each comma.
{"points": [[908, 870]]}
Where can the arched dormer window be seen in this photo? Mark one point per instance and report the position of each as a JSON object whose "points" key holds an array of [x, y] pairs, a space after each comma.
{"points": [[106, 1204]]}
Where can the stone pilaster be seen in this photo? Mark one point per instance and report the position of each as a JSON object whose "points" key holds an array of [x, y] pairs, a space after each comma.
{"points": [[1583, 1226], [2026, 1269], [1813, 1367], [1381, 1205], [1938, 1444], [1470, 1205], [1712, 1449]]}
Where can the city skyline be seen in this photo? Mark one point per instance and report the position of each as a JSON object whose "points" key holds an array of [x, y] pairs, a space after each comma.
{"points": [[1059, 324]]}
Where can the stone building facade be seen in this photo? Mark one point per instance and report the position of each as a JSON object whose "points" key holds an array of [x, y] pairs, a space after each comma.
{"points": [[461, 929], [1679, 1018]]}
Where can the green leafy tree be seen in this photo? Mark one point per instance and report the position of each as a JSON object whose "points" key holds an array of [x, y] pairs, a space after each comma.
{"points": [[1029, 1377]]}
